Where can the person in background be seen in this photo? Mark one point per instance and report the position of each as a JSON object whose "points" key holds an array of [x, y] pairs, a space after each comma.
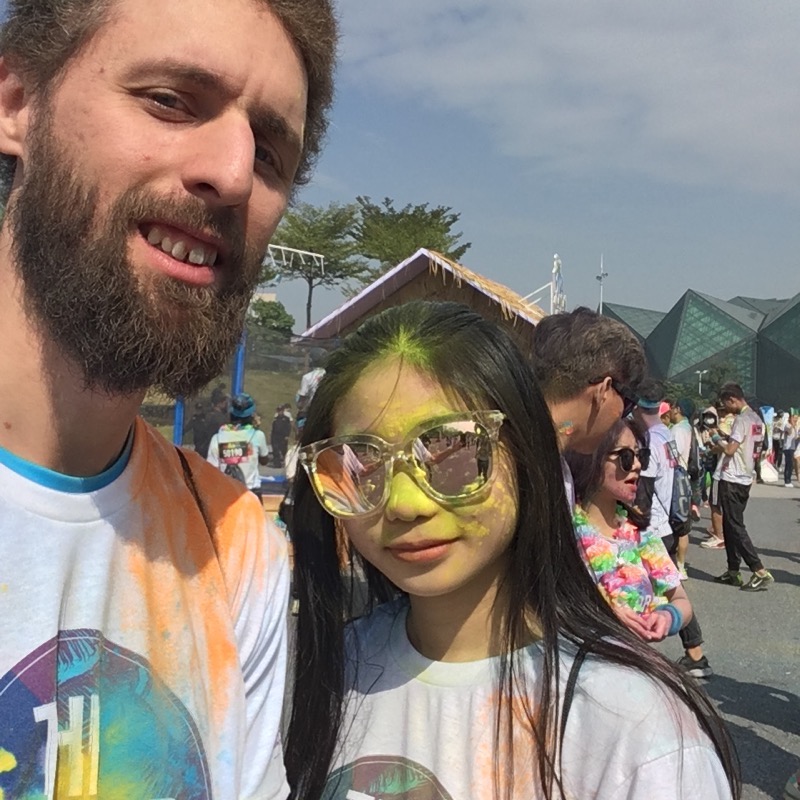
{"points": [[654, 496], [683, 433], [631, 566], [738, 452], [280, 433], [709, 422], [589, 367], [309, 383], [238, 448], [778, 425], [209, 421], [790, 437]]}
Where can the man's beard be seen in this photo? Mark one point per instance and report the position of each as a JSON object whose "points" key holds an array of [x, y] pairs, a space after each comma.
{"points": [[125, 332]]}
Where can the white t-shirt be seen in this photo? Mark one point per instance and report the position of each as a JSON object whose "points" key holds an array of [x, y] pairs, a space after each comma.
{"points": [[141, 654], [789, 436], [309, 383], [663, 460], [240, 446], [419, 728], [748, 430], [682, 433]]}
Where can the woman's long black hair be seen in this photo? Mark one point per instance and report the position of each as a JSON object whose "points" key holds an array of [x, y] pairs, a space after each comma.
{"points": [[587, 470], [479, 364]]}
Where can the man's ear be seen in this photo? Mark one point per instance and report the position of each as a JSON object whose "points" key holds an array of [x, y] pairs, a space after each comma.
{"points": [[15, 102], [601, 391]]}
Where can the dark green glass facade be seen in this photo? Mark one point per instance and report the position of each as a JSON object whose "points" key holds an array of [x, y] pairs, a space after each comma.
{"points": [[757, 340]]}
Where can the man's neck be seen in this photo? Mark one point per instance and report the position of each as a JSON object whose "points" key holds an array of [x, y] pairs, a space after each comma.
{"points": [[47, 416]]}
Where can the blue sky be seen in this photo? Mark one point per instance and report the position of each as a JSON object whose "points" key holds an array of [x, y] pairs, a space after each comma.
{"points": [[665, 136]]}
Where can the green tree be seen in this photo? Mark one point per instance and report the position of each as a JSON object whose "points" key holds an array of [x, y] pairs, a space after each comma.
{"points": [[387, 235], [269, 328], [324, 230], [271, 315]]}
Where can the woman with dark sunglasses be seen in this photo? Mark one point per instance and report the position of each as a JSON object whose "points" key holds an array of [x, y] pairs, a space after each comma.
{"points": [[631, 566], [486, 664]]}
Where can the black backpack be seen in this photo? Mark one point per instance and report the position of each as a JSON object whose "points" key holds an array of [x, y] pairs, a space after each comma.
{"points": [[681, 505], [694, 466], [235, 471]]}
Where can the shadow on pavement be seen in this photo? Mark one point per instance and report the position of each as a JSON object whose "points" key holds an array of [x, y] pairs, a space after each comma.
{"points": [[780, 554], [765, 765]]}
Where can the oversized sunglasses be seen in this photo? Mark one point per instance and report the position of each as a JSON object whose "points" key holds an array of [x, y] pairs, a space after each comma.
{"points": [[627, 455], [450, 458]]}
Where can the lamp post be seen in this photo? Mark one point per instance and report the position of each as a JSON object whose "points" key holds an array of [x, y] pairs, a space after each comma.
{"points": [[601, 277], [700, 373]]}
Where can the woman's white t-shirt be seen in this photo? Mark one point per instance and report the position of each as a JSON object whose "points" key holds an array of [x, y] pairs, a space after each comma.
{"points": [[419, 729]]}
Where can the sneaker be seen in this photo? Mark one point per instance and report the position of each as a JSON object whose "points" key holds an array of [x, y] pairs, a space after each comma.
{"points": [[758, 583], [730, 578], [789, 485], [682, 572], [713, 543], [695, 513], [697, 669], [792, 790]]}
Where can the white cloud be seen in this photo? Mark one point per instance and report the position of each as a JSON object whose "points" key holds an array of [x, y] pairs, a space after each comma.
{"points": [[695, 91]]}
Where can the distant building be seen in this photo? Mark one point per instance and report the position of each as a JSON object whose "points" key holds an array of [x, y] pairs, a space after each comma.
{"points": [[760, 339]]}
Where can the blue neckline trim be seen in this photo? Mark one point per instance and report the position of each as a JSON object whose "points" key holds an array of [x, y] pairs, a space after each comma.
{"points": [[71, 484]]}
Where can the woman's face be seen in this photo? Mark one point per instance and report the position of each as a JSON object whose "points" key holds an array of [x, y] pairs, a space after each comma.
{"points": [[621, 485], [424, 547]]}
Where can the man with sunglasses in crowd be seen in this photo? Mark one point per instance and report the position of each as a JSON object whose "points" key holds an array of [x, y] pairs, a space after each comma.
{"points": [[588, 367], [655, 494]]}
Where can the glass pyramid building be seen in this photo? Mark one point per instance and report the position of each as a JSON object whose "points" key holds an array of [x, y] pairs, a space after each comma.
{"points": [[758, 340]]}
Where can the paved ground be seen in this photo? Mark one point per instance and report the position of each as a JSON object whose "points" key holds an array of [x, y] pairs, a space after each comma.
{"points": [[753, 642]]}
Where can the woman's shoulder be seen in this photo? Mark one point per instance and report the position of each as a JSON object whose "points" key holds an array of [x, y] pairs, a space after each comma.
{"points": [[624, 697]]}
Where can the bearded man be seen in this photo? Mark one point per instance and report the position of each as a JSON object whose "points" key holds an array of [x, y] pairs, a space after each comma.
{"points": [[150, 151]]}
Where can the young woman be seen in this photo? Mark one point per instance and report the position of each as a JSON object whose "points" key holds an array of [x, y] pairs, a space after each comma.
{"points": [[632, 568], [486, 665]]}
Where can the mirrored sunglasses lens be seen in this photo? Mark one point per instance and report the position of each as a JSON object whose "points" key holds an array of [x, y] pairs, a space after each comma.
{"points": [[350, 478], [456, 457]]}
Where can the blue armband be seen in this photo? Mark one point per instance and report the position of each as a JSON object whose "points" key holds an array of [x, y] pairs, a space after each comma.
{"points": [[677, 618]]}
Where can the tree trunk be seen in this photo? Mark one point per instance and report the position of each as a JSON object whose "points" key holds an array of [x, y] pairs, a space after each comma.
{"points": [[308, 304]]}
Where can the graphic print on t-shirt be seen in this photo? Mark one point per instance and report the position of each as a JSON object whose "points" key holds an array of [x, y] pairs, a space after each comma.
{"points": [[384, 778], [85, 718]]}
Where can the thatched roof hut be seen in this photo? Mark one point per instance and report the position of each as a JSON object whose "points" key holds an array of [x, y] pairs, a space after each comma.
{"points": [[428, 275]]}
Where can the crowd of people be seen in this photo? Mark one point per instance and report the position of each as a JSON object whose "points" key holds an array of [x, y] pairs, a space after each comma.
{"points": [[486, 539]]}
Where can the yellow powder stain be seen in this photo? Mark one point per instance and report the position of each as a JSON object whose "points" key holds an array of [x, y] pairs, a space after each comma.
{"points": [[3, 588], [7, 762], [407, 345]]}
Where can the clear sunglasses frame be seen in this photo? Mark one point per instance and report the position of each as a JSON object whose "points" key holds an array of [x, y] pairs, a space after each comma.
{"points": [[390, 455]]}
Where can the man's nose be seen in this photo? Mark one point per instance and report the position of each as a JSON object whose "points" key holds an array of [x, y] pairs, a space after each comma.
{"points": [[220, 166]]}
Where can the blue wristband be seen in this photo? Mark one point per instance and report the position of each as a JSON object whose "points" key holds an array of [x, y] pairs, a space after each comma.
{"points": [[677, 618]]}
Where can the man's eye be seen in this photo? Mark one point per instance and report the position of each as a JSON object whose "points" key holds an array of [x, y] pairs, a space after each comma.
{"points": [[264, 155], [165, 100]]}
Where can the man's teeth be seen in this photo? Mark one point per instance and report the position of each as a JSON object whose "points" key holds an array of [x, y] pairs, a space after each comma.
{"points": [[180, 250]]}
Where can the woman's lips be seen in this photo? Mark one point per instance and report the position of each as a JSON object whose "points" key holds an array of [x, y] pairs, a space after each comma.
{"points": [[422, 551]]}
